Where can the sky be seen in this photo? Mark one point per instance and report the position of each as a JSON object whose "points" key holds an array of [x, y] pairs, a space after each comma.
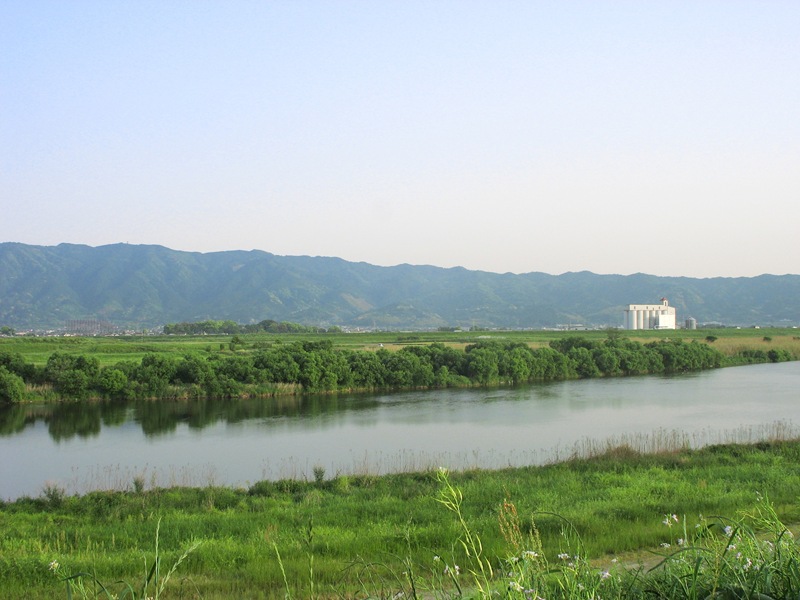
{"points": [[504, 136]]}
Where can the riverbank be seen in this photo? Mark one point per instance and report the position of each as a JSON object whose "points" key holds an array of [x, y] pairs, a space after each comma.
{"points": [[259, 369], [348, 535]]}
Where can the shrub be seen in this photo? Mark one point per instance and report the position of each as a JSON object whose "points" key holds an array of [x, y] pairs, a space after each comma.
{"points": [[12, 387]]}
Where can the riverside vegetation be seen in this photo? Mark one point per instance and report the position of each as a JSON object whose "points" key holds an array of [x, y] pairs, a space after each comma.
{"points": [[675, 524], [258, 366], [680, 523]]}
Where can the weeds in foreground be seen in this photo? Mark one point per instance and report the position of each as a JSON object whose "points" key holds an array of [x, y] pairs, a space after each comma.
{"points": [[752, 556], [86, 585]]}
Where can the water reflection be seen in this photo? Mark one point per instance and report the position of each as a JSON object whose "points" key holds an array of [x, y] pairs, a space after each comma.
{"points": [[156, 418], [103, 445]]}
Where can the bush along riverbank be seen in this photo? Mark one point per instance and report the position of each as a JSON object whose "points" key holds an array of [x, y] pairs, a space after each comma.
{"points": [[316, 366], [688, 524]]}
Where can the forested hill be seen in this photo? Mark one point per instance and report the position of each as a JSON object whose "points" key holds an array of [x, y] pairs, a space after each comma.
{"points": [[141, 286]]}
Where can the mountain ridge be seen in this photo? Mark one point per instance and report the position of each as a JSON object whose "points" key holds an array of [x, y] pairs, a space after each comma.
{"points": [[131, 285]]}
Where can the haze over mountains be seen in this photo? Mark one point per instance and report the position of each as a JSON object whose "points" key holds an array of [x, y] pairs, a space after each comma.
{"points": [[46, 287]]}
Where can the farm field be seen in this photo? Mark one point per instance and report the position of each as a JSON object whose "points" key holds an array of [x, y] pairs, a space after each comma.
{"points": [[110, 350]]}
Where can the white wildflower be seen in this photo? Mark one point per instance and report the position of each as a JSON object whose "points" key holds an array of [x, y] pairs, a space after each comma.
{"points": [[515, 587], [53, 566]]}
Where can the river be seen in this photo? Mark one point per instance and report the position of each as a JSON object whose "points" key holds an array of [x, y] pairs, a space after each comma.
{"points": [[81, 447]]}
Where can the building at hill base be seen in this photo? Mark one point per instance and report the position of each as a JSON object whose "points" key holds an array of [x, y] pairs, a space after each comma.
{"points": [[650, 316]]}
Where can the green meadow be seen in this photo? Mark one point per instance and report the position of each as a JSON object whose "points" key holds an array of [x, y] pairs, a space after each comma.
{"points": [[551, 529], [110, 350]]}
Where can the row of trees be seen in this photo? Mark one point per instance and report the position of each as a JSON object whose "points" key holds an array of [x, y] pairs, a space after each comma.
{"points": [[233, 328], [318, 366]]}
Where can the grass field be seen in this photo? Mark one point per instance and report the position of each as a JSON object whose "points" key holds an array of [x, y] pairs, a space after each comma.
{"points": [[111, 350]]}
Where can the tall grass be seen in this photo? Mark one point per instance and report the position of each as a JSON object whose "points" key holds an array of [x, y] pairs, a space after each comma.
{"points": [[752, 555], [87, 586], [731, 346]]}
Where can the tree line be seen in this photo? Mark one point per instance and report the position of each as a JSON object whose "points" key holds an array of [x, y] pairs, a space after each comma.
{"points": [[212, 327], [316, 366]]}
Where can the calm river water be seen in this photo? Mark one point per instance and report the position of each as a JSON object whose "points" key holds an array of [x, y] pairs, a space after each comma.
{"points": [[99, 446]]}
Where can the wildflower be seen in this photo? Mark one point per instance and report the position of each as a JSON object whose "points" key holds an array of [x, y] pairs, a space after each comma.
{"points": [[529, 554], [667, 521], [515, 587], [615, 560], [563, 556], [681, 541], [728, 530], [53, 566], [731, 547], [605, 575], [436, 559], [664, 545], [513, 560]]}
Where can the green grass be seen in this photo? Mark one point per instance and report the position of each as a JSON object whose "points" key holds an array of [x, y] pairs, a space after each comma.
{"points": [[342, 535], [111, 350]]}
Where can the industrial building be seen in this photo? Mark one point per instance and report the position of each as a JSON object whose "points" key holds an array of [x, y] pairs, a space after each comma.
{"points": [[650, 316]]}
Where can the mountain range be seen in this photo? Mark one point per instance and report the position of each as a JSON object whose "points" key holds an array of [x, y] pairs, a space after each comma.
{"points": [[136, 286]]}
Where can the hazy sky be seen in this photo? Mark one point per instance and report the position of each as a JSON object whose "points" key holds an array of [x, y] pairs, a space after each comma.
{"points": [[615, 137]]}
